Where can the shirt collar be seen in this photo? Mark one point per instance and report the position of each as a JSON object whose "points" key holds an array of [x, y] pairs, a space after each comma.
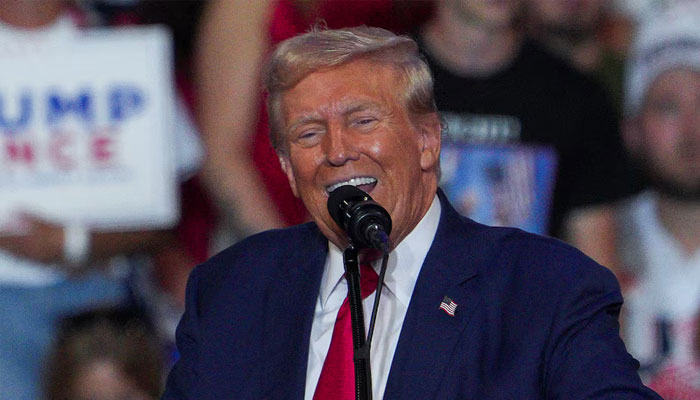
{"points": [[404, 264], [332, 273]]}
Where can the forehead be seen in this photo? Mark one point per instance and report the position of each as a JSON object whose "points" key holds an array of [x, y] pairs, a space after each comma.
{"points": [[677, 74], [351, 85], [489, 5], [559, 7], [675, 81]]}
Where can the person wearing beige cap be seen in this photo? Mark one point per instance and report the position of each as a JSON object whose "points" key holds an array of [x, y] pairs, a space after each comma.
{"points": [[661, 227]]}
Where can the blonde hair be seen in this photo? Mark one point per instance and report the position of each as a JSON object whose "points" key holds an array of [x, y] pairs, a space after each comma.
{"points": [[297, 57]]}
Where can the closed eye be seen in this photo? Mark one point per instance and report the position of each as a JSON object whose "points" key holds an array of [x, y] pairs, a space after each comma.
{"points": [[309, 138], [364, 122], [307, 135]]}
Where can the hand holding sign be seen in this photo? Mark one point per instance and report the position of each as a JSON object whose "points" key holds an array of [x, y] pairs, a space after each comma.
{"points": [[37, 240]]}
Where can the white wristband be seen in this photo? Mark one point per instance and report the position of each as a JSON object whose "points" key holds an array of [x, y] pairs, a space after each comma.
{"points": [[76, 244]]}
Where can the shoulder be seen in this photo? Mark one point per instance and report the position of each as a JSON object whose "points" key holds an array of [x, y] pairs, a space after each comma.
{"points": [[500, 247], [530, 272], [557, 272], [462, 233], [261, 254], [521, 249], [522, 261], [545, 254]]}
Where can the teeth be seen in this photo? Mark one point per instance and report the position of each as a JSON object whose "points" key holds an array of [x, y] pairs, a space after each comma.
{"points": [[362, 180]]}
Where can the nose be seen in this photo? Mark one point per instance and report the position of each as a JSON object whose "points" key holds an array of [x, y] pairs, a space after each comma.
{"points": [[339, 146]]}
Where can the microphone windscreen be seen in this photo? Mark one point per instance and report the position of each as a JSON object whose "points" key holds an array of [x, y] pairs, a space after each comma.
{"points": [[341, 198]]}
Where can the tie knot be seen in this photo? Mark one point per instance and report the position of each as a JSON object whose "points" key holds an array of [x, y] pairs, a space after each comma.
{"points": [[368, 279], [369, 255]]}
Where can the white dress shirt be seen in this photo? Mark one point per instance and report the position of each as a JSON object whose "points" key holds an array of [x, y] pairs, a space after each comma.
{"points": [[402, 271]]}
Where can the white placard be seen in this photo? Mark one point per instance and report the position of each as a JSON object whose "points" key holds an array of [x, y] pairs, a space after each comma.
{"points": [[86, 130]]}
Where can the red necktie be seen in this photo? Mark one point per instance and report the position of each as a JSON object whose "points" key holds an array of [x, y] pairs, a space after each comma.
{"points": [[337, 381]]}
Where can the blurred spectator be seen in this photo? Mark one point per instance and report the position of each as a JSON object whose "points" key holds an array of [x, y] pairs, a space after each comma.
{"points": [[104, 354], [496, 88], [569, 28], [242, 173], [592, 34], [51, 270], [641, 10], [174, 261], [660, 240]]}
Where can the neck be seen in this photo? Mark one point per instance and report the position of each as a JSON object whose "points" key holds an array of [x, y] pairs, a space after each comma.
{"points": [[421, 203], [469, 47], [682, 219], [584, 54], [30, 14]]}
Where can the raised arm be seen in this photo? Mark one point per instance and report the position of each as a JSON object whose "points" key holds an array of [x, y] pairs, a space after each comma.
{"points": [[232, 44]]}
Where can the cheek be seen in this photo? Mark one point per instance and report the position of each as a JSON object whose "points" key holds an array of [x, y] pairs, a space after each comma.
{"points": [[661, 134], [382, 151], [662, 153], [401, 140], [377, 148], [306, 171], [304, 164]]}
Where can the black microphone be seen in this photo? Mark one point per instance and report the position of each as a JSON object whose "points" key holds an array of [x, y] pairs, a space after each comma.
{"points": [[366, 222]]}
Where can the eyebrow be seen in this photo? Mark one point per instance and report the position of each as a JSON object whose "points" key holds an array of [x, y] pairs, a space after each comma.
{"points": [[361, 106], [346, 108], [306, 119]]}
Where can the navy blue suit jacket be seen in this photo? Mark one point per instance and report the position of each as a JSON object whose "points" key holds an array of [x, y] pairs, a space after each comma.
{"points": [[536, 320]]}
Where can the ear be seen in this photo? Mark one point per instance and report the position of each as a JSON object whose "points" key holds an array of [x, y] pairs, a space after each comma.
{"points": [[287, 168], [430, 130]]}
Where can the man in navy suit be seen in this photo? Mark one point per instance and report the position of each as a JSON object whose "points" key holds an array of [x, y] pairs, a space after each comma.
{"points": [[467, 311]]}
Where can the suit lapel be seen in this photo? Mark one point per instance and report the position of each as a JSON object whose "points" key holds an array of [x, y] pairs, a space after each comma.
{"points": [[288, 324], [429, 334]]}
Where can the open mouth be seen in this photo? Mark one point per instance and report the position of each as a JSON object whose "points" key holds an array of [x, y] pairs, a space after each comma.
{"points": [[365, 183]]}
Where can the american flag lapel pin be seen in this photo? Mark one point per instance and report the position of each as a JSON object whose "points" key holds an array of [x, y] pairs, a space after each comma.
{"points": [[448, 306]]}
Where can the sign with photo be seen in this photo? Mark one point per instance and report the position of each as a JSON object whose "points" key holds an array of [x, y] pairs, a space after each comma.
{"points": [[500, 185]]}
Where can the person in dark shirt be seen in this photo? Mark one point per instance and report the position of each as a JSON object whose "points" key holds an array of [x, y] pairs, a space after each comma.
{"points": [[497, 88]]}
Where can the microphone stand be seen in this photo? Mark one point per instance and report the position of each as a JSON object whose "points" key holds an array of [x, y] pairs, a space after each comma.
{"points": [[363, 375], [361, 346]]}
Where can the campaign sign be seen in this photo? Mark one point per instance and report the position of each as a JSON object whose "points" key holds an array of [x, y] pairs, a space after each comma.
{"points": [[500, 185], [86, 130]]}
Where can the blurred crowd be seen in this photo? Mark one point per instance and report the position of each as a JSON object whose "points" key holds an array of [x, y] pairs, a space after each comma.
{"points": [[610, 88]]}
